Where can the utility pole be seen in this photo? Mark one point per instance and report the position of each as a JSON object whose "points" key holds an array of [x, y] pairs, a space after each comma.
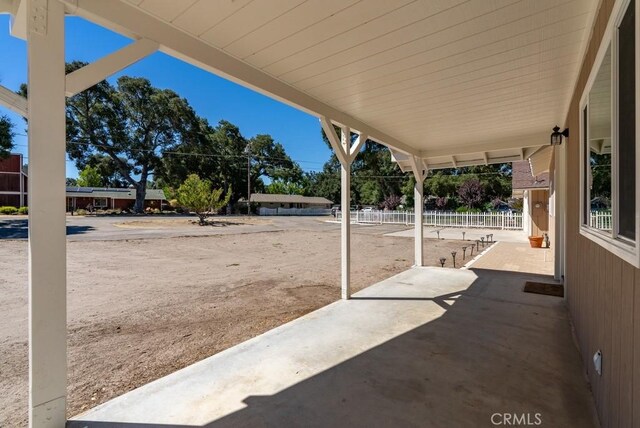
{"points": [[248, 150]]}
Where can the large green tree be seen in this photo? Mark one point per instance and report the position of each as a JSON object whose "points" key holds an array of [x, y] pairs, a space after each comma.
{"points": [[281, 187], [325, 183], [6, 136], [89, 177], [269, 159], [222, 155], [132, 123]]}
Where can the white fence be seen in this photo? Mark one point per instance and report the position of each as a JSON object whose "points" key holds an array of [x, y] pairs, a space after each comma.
{"points": [[600, 220], [488, 220], [293, 211]]}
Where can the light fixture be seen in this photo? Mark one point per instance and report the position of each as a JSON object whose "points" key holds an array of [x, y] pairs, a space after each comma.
{"points": [[556, 135]]}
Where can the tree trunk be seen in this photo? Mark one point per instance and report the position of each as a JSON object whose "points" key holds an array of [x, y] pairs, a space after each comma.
{"points": [[141, 193], [140, 196], [202, 219]]}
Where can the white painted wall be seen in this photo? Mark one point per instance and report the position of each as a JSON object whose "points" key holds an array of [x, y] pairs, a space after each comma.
{"points": [[526, 213]]}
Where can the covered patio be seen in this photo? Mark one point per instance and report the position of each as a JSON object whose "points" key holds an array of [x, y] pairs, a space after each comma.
{"points": [[428, 347], [441, 84]]}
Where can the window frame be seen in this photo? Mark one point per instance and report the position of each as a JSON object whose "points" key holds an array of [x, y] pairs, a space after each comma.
{"points": [[106, 202], [623, 247]]}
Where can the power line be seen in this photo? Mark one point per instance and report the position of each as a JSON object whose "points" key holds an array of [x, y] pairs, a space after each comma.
{"points": [[243, 157], [211, 155]]}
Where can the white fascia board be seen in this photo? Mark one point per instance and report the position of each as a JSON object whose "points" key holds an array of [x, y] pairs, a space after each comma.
{"points": [[518, 143], [529, 151], [399, 156], [132, 22]]}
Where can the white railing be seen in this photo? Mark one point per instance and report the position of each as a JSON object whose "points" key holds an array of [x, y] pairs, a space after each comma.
{"points": [[489, 220], [293, 211], [600, 220]]}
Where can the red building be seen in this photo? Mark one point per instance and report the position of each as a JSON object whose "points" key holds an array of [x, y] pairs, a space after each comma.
{"points": [[110, 198], [13, 182]]}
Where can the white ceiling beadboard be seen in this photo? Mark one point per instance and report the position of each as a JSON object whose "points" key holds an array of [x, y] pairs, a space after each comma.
{"points": [[445, 77]]}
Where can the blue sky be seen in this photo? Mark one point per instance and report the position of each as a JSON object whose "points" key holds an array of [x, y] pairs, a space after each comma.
{"points": [[211, 96]]}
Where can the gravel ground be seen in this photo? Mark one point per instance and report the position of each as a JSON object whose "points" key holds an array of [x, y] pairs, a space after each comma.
{"points": [[139, 309]]}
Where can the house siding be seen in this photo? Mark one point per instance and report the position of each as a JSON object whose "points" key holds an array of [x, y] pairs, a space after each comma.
{"points": [[121, 204], [603, 290], [10, 176]]}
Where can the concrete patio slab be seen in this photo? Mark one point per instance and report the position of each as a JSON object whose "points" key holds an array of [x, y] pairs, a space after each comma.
{"points": [[428, 347], [517, 257]]}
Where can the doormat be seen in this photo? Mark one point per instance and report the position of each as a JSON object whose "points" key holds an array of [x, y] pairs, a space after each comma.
{"points": [[544, 288]]}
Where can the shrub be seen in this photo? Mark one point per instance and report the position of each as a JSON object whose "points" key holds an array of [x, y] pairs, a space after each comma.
{"points": [[197, 195], [391, 202], [23, 210], [81, 212], [471, 193], [8, 210], [442, 202]]}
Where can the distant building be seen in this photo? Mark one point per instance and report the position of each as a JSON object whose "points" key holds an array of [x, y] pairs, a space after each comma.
{"points": [[107, 198], [13, 182], [534, 190], [266, 200], [268, 204]]}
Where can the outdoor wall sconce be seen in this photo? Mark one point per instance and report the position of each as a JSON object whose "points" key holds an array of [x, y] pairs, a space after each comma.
{"points": [[442, 261], [453, 254], [556, 135]]}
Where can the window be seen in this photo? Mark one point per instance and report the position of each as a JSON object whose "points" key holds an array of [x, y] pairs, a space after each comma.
{"points": [[100, 203], [609, 138]]}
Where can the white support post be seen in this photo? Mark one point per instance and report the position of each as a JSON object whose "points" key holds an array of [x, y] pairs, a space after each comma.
{"points": [[345, 153], [419, 173], [47, 230], [345, 229], [345, 196], [418, 196]]}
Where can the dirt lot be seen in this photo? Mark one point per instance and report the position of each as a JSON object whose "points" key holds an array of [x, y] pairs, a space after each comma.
{"points": [[140, 309]]}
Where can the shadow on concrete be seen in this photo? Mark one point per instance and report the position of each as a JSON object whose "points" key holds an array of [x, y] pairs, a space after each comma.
{"points": [[19, 229], [494, 350]]}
